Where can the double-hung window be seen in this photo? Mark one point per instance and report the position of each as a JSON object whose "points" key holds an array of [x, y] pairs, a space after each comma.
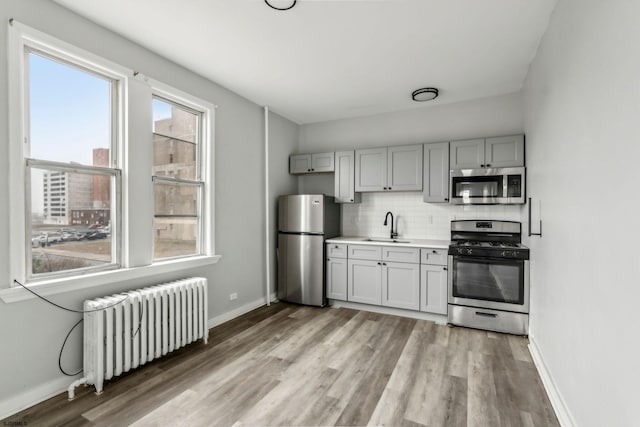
{"points": [[94, 184], [68, 159], [177, 179]]}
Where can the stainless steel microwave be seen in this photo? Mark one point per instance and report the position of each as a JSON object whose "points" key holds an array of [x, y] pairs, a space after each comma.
{"points": [[488, 186]]}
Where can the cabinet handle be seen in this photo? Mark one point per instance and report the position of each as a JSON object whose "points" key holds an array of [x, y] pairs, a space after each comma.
{"points": [[379, 263], [446, 199], [481, 166], [308, 170], [389, 188], [434, 251], [488, 165], [352, 200], [444, 268], [384, 188], [384, 263], [312, 169]]}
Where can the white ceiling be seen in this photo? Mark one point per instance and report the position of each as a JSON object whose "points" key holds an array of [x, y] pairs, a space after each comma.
{"points": [[332, 59]]}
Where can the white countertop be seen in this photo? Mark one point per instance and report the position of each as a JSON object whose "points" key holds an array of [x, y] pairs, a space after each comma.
{"points": [[385, 241]]}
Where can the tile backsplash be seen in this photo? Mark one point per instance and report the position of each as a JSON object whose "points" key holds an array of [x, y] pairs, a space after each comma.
{"points": [[414, 218]]}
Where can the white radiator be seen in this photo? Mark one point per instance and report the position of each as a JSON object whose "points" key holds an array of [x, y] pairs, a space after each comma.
{"points": [[124, 331]]}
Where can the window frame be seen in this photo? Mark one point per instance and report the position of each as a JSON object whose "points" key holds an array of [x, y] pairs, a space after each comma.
{"points": [[124, 130], [204, 162]]}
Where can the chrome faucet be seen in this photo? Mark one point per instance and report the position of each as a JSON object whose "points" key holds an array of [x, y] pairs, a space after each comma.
{"points": [[393, 233]]}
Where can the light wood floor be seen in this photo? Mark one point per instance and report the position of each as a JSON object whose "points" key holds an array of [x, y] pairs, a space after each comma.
{"points": [[290, 365]]}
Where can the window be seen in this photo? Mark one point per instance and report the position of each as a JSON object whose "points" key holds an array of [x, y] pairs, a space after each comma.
{"points": [[81, 200], [177, 180], [69, 141]]}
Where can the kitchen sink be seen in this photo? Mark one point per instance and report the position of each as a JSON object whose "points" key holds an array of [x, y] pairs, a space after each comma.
{"points": [[382, 240]]}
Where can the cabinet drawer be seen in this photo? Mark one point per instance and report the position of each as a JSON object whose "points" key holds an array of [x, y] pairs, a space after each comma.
{"points": [[433, 256], [365, 252], [336, 250], [400, 254]]}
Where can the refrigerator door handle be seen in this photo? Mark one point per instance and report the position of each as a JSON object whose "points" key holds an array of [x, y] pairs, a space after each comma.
{"points": [[302, 233]]}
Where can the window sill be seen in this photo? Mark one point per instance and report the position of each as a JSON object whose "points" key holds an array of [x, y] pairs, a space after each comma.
{"points": [[67, 284]]}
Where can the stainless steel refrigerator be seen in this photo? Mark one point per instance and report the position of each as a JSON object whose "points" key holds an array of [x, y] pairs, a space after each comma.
{"points": [[304, 222]]}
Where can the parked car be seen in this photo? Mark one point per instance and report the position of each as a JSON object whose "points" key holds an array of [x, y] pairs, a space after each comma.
{"points": [[93, 235], [49, 237], [35, 240]]}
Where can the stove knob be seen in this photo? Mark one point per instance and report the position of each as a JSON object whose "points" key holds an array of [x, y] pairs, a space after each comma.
{"points": [[503, 253], [469, 251]]}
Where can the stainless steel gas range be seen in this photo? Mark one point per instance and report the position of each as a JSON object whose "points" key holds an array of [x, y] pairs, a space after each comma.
{"points": [[488, 276]]}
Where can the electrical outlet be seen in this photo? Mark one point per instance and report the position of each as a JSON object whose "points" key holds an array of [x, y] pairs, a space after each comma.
{"points": [[233, 296]]}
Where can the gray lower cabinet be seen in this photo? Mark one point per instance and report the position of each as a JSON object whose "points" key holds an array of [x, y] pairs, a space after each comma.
{"points": [[390, 276], [433, 289], [364, 281], [401, 285], [336, 278], [344, 187], [436, 173]]}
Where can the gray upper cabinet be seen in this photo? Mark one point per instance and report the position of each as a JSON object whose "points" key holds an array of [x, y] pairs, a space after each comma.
{"points": [[436, 173], [311, 163], [499, 152], [345, 178], [300, 163], [371, 169], [504, 151], [389, 169], [467, 154], [404, 168]]}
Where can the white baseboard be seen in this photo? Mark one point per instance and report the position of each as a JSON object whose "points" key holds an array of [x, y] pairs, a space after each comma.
{"points": [[559, 406], [34, 396], [229, 315], [52, 388], [440, 319]]}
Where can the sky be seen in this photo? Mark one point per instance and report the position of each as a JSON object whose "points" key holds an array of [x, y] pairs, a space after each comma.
{"points": [[69, 116]]}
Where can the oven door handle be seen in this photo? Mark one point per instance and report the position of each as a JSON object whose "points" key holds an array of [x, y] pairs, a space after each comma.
{"points": [[457, 257]]}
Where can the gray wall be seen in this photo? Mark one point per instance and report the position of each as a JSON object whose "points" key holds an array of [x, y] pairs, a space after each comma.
{"points": [[32, 331], [581, 120]]}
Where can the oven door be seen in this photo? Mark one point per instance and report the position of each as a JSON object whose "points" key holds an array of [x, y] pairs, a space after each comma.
{"points": [[501, 284]]}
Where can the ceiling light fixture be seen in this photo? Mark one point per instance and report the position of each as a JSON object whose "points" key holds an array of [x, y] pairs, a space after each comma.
{"points": [[424, 94], [280, 8]]}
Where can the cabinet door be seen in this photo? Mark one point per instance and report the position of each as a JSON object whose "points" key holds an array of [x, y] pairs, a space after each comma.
{"points": [[345, 178], [433, 289], [467, 154], [364, 282], [371, 169], [404, 168], [322, 162], [401, 285], [504, 151], [337, 278], [300, 163], [436, 173]]}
